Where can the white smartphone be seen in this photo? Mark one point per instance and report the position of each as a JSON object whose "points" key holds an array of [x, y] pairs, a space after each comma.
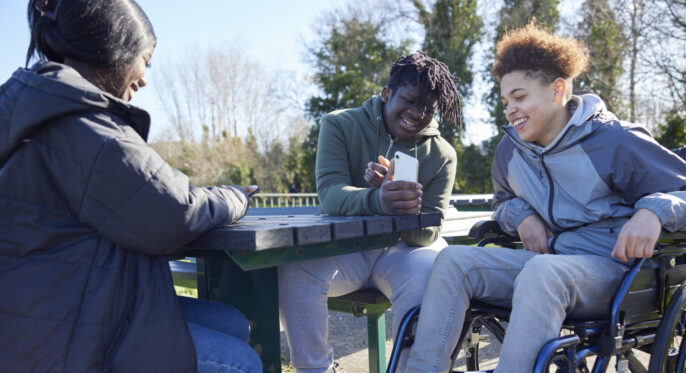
{"points": [[406, 167]]}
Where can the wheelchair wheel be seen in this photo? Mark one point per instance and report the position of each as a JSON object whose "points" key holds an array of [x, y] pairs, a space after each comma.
{"points": [[669, 349]]}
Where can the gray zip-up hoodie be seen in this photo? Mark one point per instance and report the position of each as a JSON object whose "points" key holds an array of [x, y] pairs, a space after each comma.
{"points": [[588, 181]]}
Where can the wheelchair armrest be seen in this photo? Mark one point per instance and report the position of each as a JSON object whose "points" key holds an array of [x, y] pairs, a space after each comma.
{"points": [[677, 237], [488, 231], [488, 228]]}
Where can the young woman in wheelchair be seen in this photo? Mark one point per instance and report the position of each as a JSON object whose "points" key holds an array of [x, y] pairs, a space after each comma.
{"points": [[586, 193]]}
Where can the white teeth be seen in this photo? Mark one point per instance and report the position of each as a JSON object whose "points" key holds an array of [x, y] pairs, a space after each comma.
{"points": [[408, 123], [518, 121]]}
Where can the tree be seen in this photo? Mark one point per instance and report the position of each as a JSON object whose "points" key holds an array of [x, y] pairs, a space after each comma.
{"points": [[230, 118], [672, 133], [607, 47], [474, 167], [219, 93], [671, 56], [452, 29], [636, 18], [352, 60]]}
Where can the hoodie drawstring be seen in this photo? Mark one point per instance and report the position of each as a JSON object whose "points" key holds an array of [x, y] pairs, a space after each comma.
{"points": [[390, 145]]}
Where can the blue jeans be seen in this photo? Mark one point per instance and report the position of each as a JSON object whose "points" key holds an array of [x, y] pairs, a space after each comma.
{"points": [[220, 335]]}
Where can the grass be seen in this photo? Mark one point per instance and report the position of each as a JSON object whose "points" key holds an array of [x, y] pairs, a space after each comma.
{"points": [[186, 292]]}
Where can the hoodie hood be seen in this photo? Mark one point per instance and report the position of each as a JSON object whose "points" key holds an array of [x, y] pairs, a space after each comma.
{"points": [[582, 107], [38, 96]]}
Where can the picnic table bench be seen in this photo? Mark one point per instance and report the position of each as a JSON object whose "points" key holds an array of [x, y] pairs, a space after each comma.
{"points": [[308, 236], [236, 264]]}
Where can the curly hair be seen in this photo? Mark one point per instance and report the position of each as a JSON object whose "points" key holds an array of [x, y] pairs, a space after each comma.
{"points": [[540, 54], [433, 78]]}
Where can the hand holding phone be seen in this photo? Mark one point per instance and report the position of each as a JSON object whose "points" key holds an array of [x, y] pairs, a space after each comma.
{"points": [[405, 168]]}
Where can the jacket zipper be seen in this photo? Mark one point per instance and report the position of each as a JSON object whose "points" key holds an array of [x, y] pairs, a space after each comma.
{"points": [[552, 243], [552, 194], [550, 179]]}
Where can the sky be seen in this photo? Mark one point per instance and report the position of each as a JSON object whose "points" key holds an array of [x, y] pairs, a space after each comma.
{"points": [[269, 31]]}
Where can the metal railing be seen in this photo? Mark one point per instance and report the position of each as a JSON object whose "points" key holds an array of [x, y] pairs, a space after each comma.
{"points": [[285, 199], [463, 202]]}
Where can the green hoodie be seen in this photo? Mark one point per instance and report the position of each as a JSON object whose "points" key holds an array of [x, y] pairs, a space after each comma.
{"points": [[350, 139]]}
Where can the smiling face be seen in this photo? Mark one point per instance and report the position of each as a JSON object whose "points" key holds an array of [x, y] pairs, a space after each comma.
{"points": [[400, 113], [133, 79], [536, 110]]}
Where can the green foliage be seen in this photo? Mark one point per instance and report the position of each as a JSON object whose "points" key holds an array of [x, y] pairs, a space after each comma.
{"points": [[607, 45], [453, 28], [236, 161], [672, 133], [352, 61], [672, 59], [474, 167]]}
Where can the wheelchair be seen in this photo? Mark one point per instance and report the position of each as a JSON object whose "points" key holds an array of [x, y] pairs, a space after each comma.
{"points": [[648, 313]]}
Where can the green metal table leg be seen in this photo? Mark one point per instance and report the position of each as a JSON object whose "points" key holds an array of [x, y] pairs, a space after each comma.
{"points": [[376, 335], [255, 294]]}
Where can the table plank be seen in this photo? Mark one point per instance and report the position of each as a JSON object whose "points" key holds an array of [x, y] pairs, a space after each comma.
{"points": [[406, 222], [374, 225], [244, 238], [257, 233]]}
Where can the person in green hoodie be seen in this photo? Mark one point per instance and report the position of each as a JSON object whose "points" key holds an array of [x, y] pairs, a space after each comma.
{"points": [[354, 177]]}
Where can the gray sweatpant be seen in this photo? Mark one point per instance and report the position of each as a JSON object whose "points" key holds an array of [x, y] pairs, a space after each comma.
{"points": [[400, 272], [541, 289]]}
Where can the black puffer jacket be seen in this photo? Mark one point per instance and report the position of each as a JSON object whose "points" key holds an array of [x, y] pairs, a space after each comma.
{"points": [[87, 212]]}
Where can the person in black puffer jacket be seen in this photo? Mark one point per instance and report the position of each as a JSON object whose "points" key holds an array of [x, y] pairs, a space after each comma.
{"points": [[88, 211]]}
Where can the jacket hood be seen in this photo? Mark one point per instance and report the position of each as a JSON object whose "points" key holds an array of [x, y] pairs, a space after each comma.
{"points": [[37, 96], [374, 108], [583, 107]]}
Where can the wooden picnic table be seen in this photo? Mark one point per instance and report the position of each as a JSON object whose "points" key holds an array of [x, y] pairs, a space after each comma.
{"points": [[237, 264]]}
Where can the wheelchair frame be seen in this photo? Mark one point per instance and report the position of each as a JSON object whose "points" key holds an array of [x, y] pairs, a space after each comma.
{"points": [[647, 313]]}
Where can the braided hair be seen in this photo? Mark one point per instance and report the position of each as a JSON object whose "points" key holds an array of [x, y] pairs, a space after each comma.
{"points": [[434, 80]]}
